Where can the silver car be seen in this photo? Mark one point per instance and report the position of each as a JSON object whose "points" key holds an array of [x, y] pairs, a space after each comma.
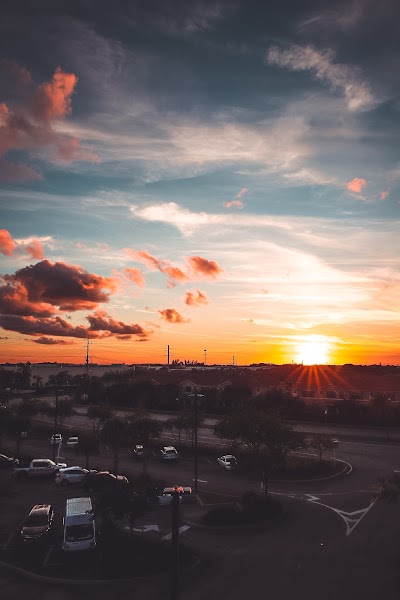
{"points": [[228, 462], [71, 475]]}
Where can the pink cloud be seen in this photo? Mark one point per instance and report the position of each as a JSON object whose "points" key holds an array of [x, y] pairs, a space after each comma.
{"points": [[135, 275], [237, 203], [196, 297], [356, 185], [17, 172], [242, 192], [28, 125], [203, 266], [172, 316], [35, 250], [7, 244], [384, 195]]}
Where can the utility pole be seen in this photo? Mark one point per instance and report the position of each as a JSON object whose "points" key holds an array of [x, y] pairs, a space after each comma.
{"points": [[195, 441], [176, 493], [168, 356], [233, 361], [205, 357], [55, 426]]}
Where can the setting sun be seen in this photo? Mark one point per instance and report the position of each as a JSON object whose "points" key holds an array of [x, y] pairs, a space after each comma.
{"points": [[313, 351]]}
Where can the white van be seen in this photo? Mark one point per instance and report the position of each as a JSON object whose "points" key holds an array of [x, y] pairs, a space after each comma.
{"points": [[79, 525]]}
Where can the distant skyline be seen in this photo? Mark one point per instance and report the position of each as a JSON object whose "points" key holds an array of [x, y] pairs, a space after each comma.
{"points": [[219, 176]]}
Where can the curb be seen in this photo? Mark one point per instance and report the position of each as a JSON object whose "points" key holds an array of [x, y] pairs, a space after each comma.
{"points": [[327, 478], [52, 580], [258, 527]]}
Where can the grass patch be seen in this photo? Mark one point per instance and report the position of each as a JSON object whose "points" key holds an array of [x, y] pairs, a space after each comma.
{"points": [[215, 498]]}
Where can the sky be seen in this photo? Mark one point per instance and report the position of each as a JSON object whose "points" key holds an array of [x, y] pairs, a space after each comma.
{"points": [[221, 177]]}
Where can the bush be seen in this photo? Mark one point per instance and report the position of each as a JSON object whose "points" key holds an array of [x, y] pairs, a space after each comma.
{"points": [[222, 515]]}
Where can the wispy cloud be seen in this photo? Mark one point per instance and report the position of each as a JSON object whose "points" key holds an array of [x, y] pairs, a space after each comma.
{"points": [[345, 78]]}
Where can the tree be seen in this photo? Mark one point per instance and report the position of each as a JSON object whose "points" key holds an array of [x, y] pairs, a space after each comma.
{"points": [[142, 429], [380, 403], [59, 379], [98, 415], [22, 415], [113, 434], [89, 445], [176, 425], [321, 443], [63, 409], [5, 418], [267, 439]]}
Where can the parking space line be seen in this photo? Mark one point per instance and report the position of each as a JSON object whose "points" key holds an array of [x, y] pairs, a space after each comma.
{"points": [[8, 541], [46, 558], [208, 460], [201, 480]]}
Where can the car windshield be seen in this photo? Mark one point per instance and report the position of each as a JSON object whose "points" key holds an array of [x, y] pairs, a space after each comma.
{"points": [[78, 533], [36, 520], [171, 451]]}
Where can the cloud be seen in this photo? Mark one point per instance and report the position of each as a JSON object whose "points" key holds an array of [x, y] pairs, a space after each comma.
{"points": [[384, 195], [44, 288], [52, 342], [187, 222], [356, 185], [135, 275], [30, 124], [194, 298], [101, 321], [345, 78], [153, 263], [232, 203], [203, 266], [32, 325], [172, 316], [35, 250], [7, 244]]}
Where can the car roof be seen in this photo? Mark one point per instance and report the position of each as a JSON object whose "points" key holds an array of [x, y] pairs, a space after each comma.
{"points": [[67, 469], [228, 456], [40, 508], [169, 448], [73, 437]]}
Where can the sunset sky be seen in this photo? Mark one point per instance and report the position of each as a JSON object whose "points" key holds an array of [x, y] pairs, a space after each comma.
{"points": [[219, 176]]}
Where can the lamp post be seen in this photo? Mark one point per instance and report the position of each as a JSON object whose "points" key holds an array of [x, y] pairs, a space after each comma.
{"points": [[196, 396], [176, 492], [55, 425]]}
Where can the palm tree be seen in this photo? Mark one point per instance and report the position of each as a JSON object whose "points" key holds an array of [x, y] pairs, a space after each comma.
{"points": [[113, 434], [89, 445]]}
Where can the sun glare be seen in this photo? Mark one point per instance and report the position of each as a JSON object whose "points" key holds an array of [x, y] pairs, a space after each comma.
{"points": [[313, 351]]}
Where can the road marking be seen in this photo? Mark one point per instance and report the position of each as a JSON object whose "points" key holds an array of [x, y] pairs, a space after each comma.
{"points": [[181, 530], [208, 460], [144, 529], [201, 480], [46, 558], [8, 541]]}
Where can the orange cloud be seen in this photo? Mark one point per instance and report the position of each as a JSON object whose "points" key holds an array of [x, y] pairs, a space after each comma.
{"points": [[52, 342], [203, 266], [28, 125], [101, 321], [384, 195], [35, 250], [237, 203], [194, 298], [172, 316], [356, 185], [7, 244], [135, 275]]}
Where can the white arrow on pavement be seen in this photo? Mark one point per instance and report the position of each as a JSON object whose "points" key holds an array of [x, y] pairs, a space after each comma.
{"points": [[144, 528], [181, 530]]}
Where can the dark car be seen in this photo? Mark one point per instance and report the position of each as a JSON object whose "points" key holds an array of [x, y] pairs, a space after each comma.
{"points": [[38, 523], [8, 462], [103, 481]]}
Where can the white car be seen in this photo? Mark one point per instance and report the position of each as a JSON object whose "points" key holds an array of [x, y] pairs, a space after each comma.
{"points": [[169, 453], [72, 442], [56, 438], [228, 462], [71, 475]]}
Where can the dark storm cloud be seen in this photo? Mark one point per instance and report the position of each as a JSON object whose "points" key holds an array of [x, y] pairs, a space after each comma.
{"points": [[42, 288]]}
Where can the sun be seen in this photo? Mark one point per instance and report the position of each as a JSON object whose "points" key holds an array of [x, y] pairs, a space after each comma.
{"points": [[313, 351]]}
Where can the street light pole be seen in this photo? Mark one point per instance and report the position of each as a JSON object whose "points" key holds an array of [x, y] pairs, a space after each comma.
{"points": [[195, 442], [176, 493], [55, 425]]}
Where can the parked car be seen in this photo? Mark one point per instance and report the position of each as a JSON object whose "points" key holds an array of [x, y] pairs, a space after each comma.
{"points": [[138, 451], [72, 442], [228, 462], [71, 475], [39, 467], [38, 523], [56, 438], [169, 453], [7, 461], [103, 481]]}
